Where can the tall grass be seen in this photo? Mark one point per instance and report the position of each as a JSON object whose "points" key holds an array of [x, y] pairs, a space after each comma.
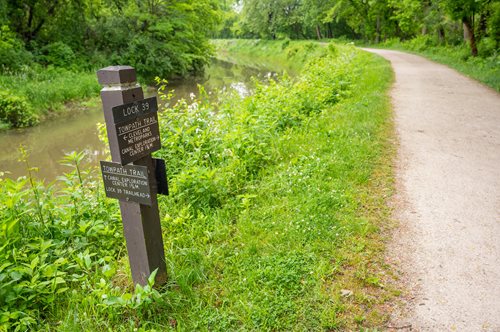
{"points": [[47, 89]]}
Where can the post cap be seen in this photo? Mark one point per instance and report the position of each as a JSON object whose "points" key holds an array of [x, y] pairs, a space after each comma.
{"points": [[116, 75]]}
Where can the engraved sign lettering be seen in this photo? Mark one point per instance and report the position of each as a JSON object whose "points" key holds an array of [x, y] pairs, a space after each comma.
{"points": [[129, 111], [138, 137], [126, 183]]}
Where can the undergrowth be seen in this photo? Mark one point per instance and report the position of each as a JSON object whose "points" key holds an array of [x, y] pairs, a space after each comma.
{"points": [[273, 222]]}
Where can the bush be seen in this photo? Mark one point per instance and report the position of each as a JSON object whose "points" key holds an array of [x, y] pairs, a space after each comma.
{"points": [[391, 42], [487, 47], [16, 111], [494, 24], [13, 55], [213, 149], [419, 43], [58, 54]]}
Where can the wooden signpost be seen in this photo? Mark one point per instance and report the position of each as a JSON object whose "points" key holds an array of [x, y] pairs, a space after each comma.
{"points": [[133, 176]]}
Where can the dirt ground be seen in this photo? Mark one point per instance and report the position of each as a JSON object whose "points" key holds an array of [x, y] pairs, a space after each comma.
{"points": [[447, 248]]}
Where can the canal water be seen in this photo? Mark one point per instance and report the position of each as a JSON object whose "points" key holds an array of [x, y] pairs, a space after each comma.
{"points": [[48, 142]]}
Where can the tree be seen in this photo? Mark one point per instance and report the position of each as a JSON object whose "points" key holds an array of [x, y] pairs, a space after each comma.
{"points": [[409, 15], [272, 18], [465, 11], [29, 17], [159, 37]]}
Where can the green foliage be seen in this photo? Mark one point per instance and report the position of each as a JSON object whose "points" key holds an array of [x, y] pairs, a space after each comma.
{"points": [[58, 54], [282, 56], [419, 43], [16, 111], [494, 24], [263, 228], [203, 142], [256, 199], [69, 40], [407, 12], [45, 90], [55, 240], [460, 9], [13, 55], [156, 37], [376, 21], [488, 47]]}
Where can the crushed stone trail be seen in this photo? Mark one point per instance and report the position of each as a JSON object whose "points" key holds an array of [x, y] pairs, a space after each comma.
{"points": [[447, 200]]}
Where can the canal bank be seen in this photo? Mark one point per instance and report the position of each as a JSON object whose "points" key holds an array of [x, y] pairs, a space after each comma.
{"points": [[77, 130]]}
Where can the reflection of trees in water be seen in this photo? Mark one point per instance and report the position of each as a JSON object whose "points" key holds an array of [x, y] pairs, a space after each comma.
{"points": [[219, 76]]}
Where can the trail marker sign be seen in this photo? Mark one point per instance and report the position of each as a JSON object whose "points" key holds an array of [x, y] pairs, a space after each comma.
{"points": [[129, 183], [138, 137], [133, 133], [131, 110]]}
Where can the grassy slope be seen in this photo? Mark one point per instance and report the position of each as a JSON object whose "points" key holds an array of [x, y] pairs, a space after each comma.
{"points": [[275, 221], [486, 71], [332, 181], [280, 55], [46, 90], [280, 256]]}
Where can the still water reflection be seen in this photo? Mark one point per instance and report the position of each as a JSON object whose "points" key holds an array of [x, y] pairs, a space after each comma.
{"points": [[50, 141]]}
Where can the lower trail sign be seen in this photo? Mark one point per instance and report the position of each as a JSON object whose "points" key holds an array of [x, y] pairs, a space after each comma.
{"points": [[129, 183], [133, 176]]}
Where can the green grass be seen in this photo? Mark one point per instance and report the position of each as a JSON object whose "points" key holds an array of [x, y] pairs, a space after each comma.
{"points": [[283, 55], [46, 90], [484, 68], [275, 221]]}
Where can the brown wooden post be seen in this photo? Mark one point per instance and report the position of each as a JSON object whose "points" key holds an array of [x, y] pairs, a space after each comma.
{"points": [[141, 223]]}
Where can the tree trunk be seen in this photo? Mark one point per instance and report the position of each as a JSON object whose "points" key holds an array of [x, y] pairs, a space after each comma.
{"points": [[329, 30], [469, 34], [441, 35], [483, 24], [318, 32], [377, 37], [298, 31]]}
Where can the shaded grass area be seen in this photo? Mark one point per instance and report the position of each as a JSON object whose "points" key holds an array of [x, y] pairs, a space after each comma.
{"points": [[45, 90], [275, 221], [485, 69]]}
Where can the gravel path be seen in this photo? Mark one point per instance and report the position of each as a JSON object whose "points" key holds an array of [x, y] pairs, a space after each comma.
{"points": [[447, 197]]}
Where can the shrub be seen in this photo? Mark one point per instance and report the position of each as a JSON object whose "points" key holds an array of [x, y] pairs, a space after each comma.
{"points": [[419, 43], [391, 42], [13, 55], [487, 47], [213, 149], [58, 54], [16, 111], [494, 24]]}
